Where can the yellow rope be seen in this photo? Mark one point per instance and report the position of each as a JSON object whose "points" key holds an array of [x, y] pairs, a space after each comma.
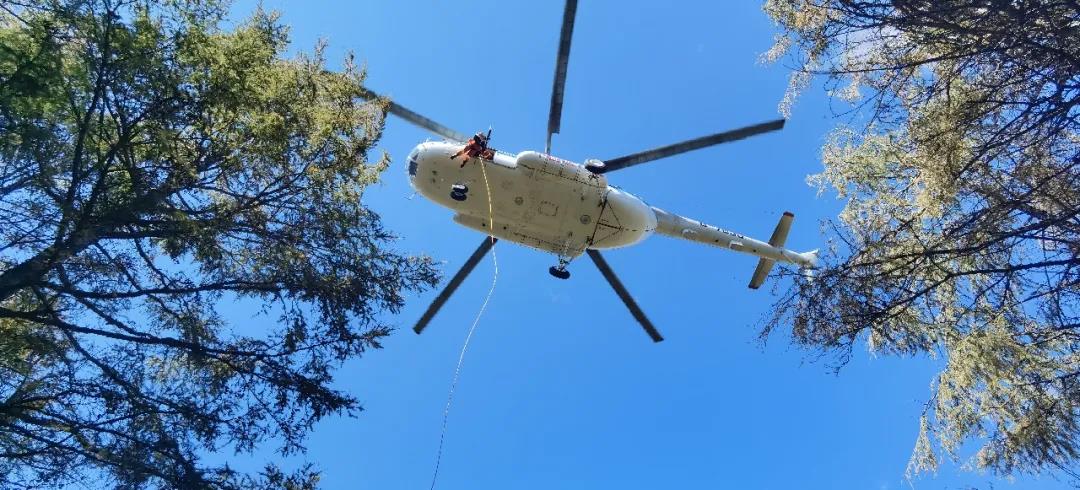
{"points": [[476, 321]]}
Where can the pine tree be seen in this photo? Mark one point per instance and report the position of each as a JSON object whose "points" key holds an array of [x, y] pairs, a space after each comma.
{"points": [[154, 165], [960, 235]]}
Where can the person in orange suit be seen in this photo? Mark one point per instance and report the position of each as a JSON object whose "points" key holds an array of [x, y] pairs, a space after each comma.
{"points": [[475, 147]]}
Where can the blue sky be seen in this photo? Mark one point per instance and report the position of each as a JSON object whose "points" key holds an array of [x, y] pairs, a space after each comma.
{"points": [[560, 387]]}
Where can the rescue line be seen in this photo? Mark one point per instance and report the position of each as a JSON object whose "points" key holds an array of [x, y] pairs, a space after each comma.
{"points": [[476, 321]]}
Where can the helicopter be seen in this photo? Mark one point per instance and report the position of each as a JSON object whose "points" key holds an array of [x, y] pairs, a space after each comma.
{"points": [[565, 208]]}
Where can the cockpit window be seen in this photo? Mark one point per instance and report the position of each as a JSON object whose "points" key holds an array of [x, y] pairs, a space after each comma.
{"points": [[412, 161]]}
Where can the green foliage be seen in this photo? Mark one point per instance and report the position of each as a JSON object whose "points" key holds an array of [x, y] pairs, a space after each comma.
{"points": [[152, 166], [960, 236]]}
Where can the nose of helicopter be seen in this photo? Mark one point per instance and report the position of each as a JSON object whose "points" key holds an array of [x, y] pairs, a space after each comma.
{"points": [[430, 154]]}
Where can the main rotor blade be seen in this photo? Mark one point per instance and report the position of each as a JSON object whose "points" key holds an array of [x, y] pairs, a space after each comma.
{"points": [[624, 295], [417, 119], [561, 62], [469, 265], [691, 145]]}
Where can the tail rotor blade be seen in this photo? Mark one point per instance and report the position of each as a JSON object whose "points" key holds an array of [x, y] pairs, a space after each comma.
{"points": [[624, 295], [562, 60], [466, 268], [691, 145]]}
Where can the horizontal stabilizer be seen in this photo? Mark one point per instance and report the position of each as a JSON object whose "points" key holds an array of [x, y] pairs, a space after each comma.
{"points": [[779, 235], [778, 238], [761, 272]]}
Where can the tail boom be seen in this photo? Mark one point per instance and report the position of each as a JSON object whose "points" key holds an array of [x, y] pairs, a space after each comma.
{"points": [[683, 228]]}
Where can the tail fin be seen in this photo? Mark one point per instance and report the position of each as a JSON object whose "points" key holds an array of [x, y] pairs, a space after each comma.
{"points": [[779, 237], [810, 258]]}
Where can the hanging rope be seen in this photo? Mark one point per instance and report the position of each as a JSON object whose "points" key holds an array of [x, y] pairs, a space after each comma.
{"points": [[472, 329]]}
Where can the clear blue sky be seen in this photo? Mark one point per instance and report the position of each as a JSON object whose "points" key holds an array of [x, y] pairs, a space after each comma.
{"points": [[561, 388]]}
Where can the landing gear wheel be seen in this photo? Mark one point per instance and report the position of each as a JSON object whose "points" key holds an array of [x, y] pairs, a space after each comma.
{"points": [[559, 272], [457, 196]]}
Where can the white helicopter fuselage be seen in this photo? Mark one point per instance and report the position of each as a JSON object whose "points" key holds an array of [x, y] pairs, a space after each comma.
{"points": [[558, 206]]}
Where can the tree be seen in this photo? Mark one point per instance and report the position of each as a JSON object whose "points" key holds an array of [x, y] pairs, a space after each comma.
{"points": [[154, 165], [960, 235]]}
